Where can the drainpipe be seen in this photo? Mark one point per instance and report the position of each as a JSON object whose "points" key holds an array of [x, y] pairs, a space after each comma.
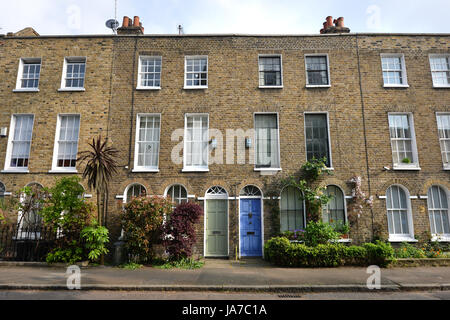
{"points": [[364, 126], [133, 87]]}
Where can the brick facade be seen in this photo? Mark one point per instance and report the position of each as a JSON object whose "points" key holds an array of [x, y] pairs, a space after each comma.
{"points": [[356, 107]]}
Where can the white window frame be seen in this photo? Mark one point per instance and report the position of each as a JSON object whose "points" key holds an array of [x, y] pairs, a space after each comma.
{"points": [[166, 193], [186, 58], [328, 71], [431, 56], [410, 236], [9, 148], [328, 131], [271, 169], [22, 62], [138, 168], [55, 168], [139, 80], [64, 74], [281, 70], [303, 205], [446, 166], [403, 70], [442, 237], [194, 168], [405, 166]]}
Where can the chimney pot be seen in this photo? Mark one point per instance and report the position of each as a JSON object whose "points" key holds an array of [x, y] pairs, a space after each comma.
{"points": [[136, 21], [125, 22], [340, 22], [329, 21]]}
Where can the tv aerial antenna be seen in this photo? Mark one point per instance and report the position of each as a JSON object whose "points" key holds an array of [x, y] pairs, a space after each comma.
{"points": [[113, 24]]}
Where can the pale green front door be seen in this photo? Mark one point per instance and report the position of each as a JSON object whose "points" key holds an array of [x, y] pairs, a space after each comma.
{"points": [[216, 228]]}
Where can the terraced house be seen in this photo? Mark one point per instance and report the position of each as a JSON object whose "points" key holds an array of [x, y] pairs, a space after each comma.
{"points": [[216, 118]]}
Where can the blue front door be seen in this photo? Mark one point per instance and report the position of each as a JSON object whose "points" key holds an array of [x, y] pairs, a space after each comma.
{"points": [[250, 225]]}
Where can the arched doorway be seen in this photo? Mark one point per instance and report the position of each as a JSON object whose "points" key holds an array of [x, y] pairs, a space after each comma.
{"points": [[216, 222], [250, 222]]}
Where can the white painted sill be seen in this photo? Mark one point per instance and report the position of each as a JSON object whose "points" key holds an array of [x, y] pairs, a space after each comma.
{"points": [[446, 168], [318, 86], [145, 170], [68, 171], [270, 87], [267, 169], [441, 86], [195, 170], [26, 90], [395, 85], [195, 87], [71, 89], [441, 238], [412, 168], [406, 239], [148, 88], [15, 171]]}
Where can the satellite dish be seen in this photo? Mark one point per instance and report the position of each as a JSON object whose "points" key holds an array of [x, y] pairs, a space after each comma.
{"points": [[112, 24]]}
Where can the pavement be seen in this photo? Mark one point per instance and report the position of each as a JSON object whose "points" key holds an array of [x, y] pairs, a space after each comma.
{"points": [[252, 275]]}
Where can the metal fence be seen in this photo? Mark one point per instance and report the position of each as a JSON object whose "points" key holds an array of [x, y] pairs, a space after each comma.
{"points": [[26, 243]]}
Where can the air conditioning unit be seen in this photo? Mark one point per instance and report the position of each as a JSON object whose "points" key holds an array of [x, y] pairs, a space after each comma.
{"points": [[3, 132]]}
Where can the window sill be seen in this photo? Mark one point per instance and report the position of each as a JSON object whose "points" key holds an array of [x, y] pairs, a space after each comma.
{"points": [[145, 170], [441, 86], [267, 169], [438, 238], [63, 171], [148, 88], [195, 88], [15, 171], [271, 87], [195, 170], [401, 86], [71, 89], [318, 86], [446, 168], [26, 90], [405, 239], [412, 168]]}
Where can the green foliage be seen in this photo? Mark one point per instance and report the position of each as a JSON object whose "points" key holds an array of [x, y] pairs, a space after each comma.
{"points": [[69, 255], [184, 263], [142, 222], [406, 160], [314, 168], [95, 237], [319, 233], [67, 212], [131, 266], [281, 252], [379, 253], [314, 196], [340, 227], [407, 250]]}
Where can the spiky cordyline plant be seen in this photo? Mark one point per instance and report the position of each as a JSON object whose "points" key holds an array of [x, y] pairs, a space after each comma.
{"points": [[100, 166]]}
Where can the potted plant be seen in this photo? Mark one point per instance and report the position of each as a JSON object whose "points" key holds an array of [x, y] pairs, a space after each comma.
{"points": [[406, 160], [342, 228]]}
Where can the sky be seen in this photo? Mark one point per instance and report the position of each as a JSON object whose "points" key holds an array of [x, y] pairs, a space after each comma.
{"points": [[61, 17]]}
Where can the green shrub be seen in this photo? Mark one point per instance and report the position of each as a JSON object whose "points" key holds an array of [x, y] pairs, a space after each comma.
{"points": [[283, 253], [95, 240], [355, 256], [407, 250], [379, 253], [319, 233]]}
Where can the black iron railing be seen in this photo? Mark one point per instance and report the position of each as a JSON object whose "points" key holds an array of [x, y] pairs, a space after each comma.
{"points": [[26, 243]]}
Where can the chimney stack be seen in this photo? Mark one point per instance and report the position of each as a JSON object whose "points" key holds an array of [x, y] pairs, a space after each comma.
{"points": [[334, 26], [131, 26]]}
